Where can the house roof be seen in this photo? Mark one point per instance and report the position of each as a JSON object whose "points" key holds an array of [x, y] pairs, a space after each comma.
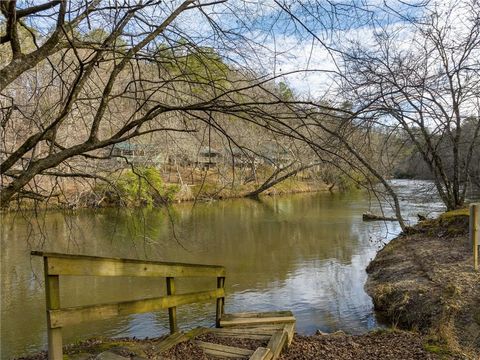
{"points": [[130, 146]]}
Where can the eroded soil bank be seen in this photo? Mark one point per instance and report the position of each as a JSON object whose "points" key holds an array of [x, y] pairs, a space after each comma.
{"points": [[424, 280]]}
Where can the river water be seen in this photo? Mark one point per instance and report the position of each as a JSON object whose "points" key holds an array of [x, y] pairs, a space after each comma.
{"points": [[306, 253]]}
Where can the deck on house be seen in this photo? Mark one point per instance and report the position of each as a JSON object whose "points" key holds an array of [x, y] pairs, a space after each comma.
{"points": [[275, 327]]}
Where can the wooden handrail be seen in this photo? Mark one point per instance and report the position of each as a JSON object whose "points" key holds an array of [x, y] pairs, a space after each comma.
{"points": [[84, 265], [57, 264], [78, 314]]}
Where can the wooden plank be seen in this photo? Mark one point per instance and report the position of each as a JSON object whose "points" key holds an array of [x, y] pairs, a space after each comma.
{"points": [[192, 334], [52, 294], [177, 338], [258, 314], [245, 336], [170, 342], [172, 312], [260, 327], [222, 355], [290, 329], [277, 343], [224, 350], [75, 315], [220, 302], [137, 261], [91, 266], [251, 321], [247, 330], [261, 354]]}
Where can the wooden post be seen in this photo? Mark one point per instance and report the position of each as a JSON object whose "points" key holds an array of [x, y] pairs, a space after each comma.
{"points": [[52, 293], [475, 232], [172, 312], [220, 301]]}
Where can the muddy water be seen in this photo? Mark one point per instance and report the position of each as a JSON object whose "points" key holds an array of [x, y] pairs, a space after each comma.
{"points": [[306, 253]]}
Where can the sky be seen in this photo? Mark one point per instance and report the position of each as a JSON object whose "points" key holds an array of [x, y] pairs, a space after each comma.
{"points": [[297, 40]]}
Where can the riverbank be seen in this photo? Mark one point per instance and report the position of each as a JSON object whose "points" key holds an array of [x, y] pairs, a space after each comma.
{"points": [[209, 191], [384, 344], [206, 189], [424, 280]]}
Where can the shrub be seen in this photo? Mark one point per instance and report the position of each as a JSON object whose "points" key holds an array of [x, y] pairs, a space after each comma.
{"points": [[143, 187]]}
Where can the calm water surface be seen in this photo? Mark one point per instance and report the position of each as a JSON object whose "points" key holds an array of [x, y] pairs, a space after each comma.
{"points": [[306, 253]]}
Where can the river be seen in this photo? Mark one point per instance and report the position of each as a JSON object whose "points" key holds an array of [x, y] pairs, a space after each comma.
{"points": [[306, 253]]}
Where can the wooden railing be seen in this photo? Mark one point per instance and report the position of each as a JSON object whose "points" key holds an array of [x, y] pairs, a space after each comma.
{"points": [[56, 265]]}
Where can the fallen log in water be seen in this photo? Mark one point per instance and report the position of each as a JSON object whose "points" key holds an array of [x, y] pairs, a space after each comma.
{"points": [[368, 216]]}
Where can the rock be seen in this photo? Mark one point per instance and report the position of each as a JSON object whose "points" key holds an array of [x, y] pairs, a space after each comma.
{"points": [[109, 355], [421, 217], [336, 333]]}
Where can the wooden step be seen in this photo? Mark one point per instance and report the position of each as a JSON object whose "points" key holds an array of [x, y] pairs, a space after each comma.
{"points": [[248, 330], [254, 319], [244, 321], [224, 350], [277, 343], [177, 338], [290, 328], [262, 354], [259, 332], [258, 314]]}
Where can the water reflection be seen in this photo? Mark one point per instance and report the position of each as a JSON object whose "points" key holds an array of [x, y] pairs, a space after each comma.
{"points": [[304, 252]]}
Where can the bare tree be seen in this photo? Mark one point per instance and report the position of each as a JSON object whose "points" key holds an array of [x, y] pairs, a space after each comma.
{"points": [[422, 79], [76, 94]]}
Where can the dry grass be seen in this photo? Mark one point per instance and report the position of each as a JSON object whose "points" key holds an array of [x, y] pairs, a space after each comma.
{"points": [[425, 280]]}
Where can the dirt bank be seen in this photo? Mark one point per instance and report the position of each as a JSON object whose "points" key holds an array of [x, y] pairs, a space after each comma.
{"points": [[424, 280]]}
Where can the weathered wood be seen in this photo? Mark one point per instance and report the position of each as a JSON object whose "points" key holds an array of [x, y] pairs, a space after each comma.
{"points": [[260, 327], [170, 342], [257, 314], [60, 264], [177, 338], [277, 343], [256, 321], [220, 302], [475, 232], [290, 328], [245, 336], [196, 332], [247, 330], [172, 312], [262, 354], [75, 315], [223, 350], [52, 293]]}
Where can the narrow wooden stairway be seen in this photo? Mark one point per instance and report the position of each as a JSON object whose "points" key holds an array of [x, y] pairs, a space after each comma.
{"points": [[275, 329]]}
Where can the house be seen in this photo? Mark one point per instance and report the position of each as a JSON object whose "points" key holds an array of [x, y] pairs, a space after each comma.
{"points": [[208, 157], [275, 155], [137, 154], [240, 158]]}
